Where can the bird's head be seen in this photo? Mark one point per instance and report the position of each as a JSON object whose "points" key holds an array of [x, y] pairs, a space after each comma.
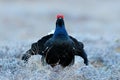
{"points": [[60, 30], [60, 21]]}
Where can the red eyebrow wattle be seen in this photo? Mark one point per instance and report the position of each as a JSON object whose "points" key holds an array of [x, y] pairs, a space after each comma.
{"points": [[60, 16]]}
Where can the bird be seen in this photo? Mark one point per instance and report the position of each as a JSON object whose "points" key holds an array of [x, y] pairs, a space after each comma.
{"points": [[58, 48]]}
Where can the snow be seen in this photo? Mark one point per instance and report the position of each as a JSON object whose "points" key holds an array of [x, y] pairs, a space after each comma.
{"points": [[95, 23]]}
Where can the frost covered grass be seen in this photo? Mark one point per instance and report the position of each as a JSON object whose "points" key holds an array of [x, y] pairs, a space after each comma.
{"points": [[104, 63], [95, 23]]}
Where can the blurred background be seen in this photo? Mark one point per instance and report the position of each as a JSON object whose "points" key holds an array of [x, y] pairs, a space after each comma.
{"points": [[32, 19], [96, 23]]}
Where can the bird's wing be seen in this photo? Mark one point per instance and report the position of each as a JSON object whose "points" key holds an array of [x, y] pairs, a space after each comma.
{"points": [[41, 42], [36, 48], [78, 45], [79, 50]]}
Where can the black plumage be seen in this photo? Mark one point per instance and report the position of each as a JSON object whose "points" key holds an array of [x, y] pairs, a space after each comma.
{"points": [[57, 48]]}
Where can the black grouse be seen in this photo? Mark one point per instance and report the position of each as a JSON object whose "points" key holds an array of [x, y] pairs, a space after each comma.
{"points": [[58, 48]]}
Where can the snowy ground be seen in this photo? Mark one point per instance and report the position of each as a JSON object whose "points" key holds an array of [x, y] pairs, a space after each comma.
{"points": [[95, 23], [104, 63]]}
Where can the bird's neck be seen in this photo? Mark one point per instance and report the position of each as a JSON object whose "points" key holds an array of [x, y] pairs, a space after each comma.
{"points": [[60, 32]]}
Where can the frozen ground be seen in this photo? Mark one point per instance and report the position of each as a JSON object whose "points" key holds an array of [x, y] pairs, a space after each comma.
{"points": [[104, 63], [95, 23]]}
